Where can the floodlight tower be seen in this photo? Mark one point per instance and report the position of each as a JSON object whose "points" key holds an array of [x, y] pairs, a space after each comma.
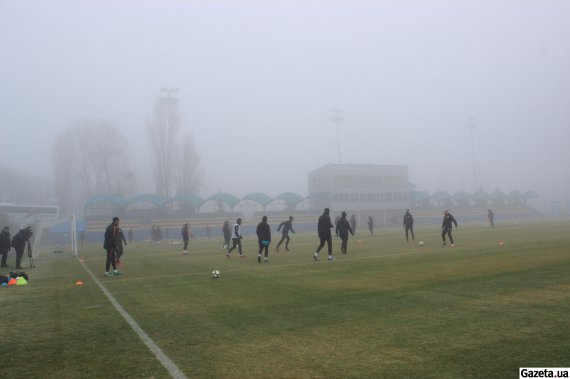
{"points": [[336, 119], [471, 126]]}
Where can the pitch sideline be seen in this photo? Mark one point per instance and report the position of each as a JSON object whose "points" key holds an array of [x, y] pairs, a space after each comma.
{"points": [[170, 366]]}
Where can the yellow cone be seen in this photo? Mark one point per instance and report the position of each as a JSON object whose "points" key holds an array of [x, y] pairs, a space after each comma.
{"points": [[21, 281]]}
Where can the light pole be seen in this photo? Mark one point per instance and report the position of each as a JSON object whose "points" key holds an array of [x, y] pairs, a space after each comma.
{"points": [[336, 119], [471, 126]]}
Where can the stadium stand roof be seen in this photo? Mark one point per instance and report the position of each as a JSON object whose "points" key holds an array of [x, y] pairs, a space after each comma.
{"points": [[529, 195], [189, 198], [441, 195], [259, 198], [290, 197], [227, 198], [514, 195], [480, 195], [147, 198], [461, 195], [420, 195], [498, 194], [112, 199]]}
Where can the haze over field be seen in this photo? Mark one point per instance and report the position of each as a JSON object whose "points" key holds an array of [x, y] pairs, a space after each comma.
{"points": [[257, 80]]}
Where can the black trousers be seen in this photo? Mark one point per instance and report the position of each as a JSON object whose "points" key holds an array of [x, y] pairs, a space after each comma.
{"points": [[411, 229], [186, 243], [448, 232], [283, 238], [110, 260], [4, 257], [344, 244], [328, 241], [119, 252], [19, 255], [236, 242]]}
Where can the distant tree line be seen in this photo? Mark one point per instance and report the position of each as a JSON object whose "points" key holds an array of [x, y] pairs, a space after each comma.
{"points": [[92, 157]]}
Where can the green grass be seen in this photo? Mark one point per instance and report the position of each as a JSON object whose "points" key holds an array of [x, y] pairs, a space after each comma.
{"points": [[387, 309]]}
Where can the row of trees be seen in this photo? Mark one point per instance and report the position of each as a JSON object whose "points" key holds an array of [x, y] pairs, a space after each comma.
{"points": [[93, 157]]}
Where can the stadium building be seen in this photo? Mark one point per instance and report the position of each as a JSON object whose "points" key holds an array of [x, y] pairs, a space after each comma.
{"points": [[380, 191]]}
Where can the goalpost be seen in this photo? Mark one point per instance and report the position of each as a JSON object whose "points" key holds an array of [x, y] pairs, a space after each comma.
{"points": [[42, 242], [73, 233]]}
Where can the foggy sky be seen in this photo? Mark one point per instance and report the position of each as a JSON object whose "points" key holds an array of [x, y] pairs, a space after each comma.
{"points": [[257, 80]]}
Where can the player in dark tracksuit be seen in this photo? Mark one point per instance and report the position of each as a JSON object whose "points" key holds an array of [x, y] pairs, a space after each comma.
{"points": [[324, 227], [286, 225], [408, 224], [227, 234], [120, 240], [491, 217], [185, 231], [5, 245], [446, 227], [110, 245], [342, 229], [263, 238]]}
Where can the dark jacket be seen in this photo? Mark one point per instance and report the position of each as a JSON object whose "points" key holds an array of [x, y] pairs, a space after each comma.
{"points": [[120, 238], [324, 226], [343, 227], [110, 237], [20, 239], [4, 241], [447, 221], [287, 225], [185, 233], [263, 231], [408, 219]]}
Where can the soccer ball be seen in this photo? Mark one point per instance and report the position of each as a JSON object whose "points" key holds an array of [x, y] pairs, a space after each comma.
{"points": [[216, 274], [421, 243]]}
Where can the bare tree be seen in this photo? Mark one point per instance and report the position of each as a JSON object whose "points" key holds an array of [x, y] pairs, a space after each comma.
{"points": [[90, 158], [190, 175], [163, 135], [175, 161]]}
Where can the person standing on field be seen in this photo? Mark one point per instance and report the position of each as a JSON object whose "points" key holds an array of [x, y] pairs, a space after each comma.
{"points": [[5, 245], [324, 227], [110, 246], [227, 234], [120, 240], [371, 225], [342, 229], [236, 239], [446, 227], [263, 238], [491, 217], [408, 224], [185, 237], [287, 226]]}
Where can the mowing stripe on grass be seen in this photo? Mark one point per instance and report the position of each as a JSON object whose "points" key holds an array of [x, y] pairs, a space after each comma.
{"points": [[170, 366]]}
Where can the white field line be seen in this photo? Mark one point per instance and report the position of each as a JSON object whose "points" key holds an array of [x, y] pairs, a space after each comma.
{"points": [[170, 366]]}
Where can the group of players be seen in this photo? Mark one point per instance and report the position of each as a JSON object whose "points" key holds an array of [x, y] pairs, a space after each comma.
{"points": [[324, 226], [114, 237]]}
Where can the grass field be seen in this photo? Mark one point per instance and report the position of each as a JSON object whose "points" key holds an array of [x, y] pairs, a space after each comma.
{"points": [[387, 309]]}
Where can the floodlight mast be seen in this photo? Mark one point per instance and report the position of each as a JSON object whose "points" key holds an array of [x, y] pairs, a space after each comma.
{"points": [[337, 120]]}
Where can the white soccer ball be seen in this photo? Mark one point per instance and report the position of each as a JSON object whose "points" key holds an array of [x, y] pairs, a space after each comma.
{"points": [[421, 243], [216, 274]]}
